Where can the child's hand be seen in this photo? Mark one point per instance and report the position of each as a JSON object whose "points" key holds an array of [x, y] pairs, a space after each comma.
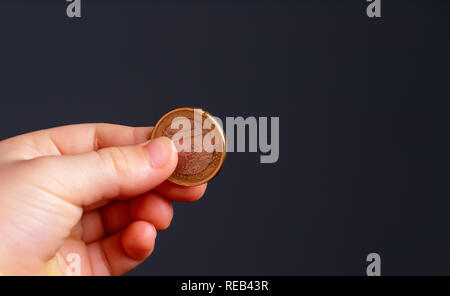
{"points": [[92, 192]]}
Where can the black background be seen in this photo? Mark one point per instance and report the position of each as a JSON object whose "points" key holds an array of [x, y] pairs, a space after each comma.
{"points": [[363, 121]]}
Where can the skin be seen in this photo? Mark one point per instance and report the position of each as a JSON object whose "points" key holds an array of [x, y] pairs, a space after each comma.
{"points": [[97, 190]]}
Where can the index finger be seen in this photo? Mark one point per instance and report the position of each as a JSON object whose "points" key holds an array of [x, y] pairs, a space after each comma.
{"points": [[72, 139]]}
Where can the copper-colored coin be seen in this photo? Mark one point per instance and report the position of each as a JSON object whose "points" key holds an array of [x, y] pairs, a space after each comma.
{"points": [[200, 141]]}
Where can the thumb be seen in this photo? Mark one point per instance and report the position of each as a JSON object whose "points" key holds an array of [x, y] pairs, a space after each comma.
{"points": [[126, 171]]}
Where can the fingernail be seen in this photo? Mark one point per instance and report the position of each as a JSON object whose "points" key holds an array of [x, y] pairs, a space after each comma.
{"points": [[160, 151]]}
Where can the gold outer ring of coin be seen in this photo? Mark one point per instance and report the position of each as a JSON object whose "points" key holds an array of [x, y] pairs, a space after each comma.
{"points": [[218, 158]]}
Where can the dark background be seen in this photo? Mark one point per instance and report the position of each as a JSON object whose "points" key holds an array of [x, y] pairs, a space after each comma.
{"points": [[363, 113]]}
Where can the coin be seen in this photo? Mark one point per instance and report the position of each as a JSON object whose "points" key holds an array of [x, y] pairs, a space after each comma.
{"points": [[200, 142]]}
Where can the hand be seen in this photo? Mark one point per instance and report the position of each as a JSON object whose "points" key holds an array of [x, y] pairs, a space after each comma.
{"points": [[94, 191]]}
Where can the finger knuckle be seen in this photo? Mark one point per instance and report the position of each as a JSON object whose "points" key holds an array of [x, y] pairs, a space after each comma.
{"points": [[115, 159]]}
